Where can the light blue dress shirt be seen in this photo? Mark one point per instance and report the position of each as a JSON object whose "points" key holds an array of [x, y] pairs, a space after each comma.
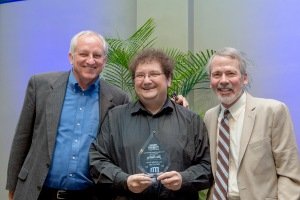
{"points": [[77, 128]]}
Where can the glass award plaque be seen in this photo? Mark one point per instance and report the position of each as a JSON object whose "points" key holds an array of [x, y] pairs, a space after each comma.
{"points": [[153, 158]]}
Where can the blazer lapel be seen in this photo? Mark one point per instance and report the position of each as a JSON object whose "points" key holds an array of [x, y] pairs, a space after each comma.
{"points": [[106, 100], [54, 108], [249, 119], [213, 135]]}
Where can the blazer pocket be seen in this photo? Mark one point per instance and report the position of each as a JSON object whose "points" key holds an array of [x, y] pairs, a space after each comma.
{"points": [[261, 150], [23, 174], [261, 147], [261, 157]]}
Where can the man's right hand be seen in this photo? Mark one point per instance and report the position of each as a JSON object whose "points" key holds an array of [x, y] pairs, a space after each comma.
{"points": [[137, 183], [181, 100]]}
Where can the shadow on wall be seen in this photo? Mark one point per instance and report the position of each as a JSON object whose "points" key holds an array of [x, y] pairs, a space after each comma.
{"points": [[9, 1]]}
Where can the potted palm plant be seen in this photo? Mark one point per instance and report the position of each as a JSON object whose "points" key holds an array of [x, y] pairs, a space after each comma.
{"points": [[189, 67]]}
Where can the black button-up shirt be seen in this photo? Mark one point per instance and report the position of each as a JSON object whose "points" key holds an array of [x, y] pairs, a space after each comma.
{"points": [[124, 132]]}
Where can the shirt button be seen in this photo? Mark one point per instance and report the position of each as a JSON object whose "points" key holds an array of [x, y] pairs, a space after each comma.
{"points": [[80, 109], [73, 157], [70, 175], [78, 124], [76, 140]]}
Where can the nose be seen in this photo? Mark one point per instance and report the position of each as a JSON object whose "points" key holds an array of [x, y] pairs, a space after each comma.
{"points": [[223, 78], [91, 60], [147, 79]]}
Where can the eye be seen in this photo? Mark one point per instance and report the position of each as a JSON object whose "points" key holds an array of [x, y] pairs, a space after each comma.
{"points": [[139, 76], [216, 75], [83, 54], [231, 74], [155, 74], [98, 56]]}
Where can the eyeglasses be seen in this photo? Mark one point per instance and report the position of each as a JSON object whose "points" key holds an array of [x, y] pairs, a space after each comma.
{"points": [[151, 75]]}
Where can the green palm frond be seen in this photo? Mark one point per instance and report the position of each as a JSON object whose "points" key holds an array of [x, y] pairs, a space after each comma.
{"points": [[120, 53], [189, 70], [189, 67]]}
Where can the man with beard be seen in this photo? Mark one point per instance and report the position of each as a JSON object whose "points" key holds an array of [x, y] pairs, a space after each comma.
{"points": [[253, 150]]}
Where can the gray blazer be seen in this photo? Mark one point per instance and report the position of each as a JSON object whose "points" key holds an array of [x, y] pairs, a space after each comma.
{"points": [[269, 164], [34, 140]]}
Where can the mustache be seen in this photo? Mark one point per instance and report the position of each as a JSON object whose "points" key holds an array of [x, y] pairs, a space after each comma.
{"points": [[222, 86]]}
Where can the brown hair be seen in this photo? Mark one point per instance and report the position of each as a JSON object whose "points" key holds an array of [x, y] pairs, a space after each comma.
{"points": [[153, 55]]}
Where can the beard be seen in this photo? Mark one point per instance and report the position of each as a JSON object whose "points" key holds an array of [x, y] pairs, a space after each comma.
{"points": [[227, 99]]}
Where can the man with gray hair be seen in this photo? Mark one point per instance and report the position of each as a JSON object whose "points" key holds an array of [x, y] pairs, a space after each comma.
{"points": [[61, 116], [254, 155]]}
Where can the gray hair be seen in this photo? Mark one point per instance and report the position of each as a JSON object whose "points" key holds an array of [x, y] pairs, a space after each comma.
{"points": [[74, 40], [244, 62]]}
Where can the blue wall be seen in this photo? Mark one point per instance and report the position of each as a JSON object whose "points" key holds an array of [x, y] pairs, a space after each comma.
{"points": [[34, 38], [35, 34]]}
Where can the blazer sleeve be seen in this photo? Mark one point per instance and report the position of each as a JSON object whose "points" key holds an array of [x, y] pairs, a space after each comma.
{"points": [[23, 136], [285, 155]]}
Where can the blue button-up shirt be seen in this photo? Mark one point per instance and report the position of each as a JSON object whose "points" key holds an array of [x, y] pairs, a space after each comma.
{"points": [[77, 128]]}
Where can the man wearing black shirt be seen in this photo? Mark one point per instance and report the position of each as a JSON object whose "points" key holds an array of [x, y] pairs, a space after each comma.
{"points": [[152, 122]]}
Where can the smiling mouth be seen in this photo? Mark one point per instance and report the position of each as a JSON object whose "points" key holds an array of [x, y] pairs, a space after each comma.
{"points": [[92, 67], [224, 91], [148, 89]]}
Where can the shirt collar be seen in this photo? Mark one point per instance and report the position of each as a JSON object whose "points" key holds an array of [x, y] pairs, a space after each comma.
{"points": [[138, 108], [73, 84]]}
